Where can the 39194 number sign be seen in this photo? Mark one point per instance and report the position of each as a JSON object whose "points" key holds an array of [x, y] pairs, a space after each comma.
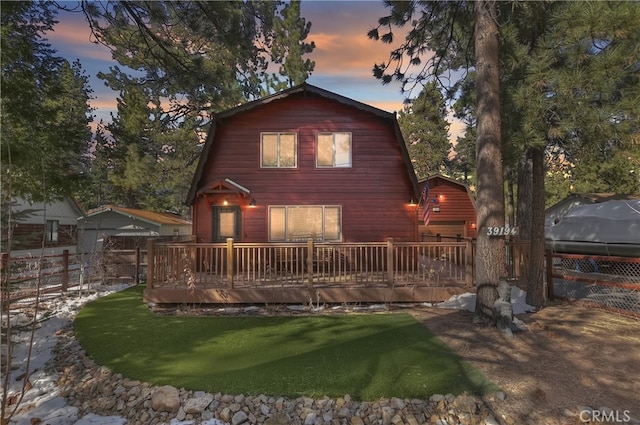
{"points": [[502, 231]]}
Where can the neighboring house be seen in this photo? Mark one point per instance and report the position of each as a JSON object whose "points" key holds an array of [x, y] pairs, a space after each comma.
{"points": [[554, 213], [453, 210], [304, 163], [53, 222], [127, 228]]}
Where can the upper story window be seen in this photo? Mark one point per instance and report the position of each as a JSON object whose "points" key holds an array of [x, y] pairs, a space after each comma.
{"points": [[52, 230], [278, 150], [334, 150]]}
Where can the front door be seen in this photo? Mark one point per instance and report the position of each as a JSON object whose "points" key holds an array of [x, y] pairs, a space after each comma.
{"points": [[226, 224]]}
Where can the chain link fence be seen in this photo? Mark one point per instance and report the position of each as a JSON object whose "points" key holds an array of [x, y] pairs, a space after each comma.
{"points": [[610, 283]]}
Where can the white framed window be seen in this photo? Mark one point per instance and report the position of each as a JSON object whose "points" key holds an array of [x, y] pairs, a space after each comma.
{"points": [[52, 231], [278, 150], [333, 150], [294, 223]]}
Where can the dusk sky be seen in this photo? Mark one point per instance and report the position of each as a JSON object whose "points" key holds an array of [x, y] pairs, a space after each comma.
{"points": [[344, 55]]}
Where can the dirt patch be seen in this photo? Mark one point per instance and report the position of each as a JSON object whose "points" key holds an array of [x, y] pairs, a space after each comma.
{"points": [[572, 356]]}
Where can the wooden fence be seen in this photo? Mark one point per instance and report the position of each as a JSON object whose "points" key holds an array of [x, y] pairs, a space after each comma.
{"points": [[21, 277]]}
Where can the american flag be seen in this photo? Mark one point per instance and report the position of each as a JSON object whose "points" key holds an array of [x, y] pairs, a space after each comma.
{"points": [[426, 204]]}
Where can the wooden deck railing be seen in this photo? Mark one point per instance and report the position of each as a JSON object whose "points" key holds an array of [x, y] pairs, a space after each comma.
{"points": [[234, 265]]}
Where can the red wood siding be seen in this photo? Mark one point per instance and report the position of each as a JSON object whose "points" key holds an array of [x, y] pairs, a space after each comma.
{"points": [[374, 193], [455, 204]]}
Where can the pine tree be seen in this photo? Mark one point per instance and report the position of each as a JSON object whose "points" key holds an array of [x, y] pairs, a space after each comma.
{"points": [[426, 131], [45, 112], [191, 60], [569, 79], [289, 47]]}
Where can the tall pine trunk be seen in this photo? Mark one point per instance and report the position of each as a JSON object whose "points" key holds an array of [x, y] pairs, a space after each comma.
{"points": [[524, 213], [536, 294], [490, 255]]}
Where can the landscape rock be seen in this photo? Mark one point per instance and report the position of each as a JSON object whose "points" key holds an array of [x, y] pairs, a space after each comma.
{"points": [[166, 399], [198, 404]]}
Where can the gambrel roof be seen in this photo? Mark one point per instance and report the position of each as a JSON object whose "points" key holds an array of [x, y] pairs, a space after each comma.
{"points": [[303, 89]]}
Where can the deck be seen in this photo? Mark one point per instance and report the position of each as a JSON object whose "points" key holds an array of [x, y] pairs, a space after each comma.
{"points": [[308, 272]]}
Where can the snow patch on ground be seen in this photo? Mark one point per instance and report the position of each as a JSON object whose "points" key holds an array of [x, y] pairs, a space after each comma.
{"points": [[467, 301]]}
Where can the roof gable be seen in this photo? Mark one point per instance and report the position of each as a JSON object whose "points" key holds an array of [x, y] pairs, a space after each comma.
{"points": [[448, 180], [147, 216], [300, 90]]}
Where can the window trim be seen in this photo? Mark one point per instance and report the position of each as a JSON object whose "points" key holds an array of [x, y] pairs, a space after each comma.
{"points": [[278, 134], [333, 134], [287, 237]]}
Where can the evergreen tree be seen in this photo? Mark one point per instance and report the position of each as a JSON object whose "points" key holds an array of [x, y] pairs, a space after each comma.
{"points": [[569, 75], [490, 258], [289, 47], [426, 131], [45, 112], [181, 63], [142, 160]]}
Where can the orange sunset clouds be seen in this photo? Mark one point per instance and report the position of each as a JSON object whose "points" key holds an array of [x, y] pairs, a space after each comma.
{"points": [[344, 55]]}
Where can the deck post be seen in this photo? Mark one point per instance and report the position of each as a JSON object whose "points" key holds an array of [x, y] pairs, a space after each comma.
{"points": [[390, 267], [230, 262], [310, 249], [65, 270], [136, 272], [150, 263], [468, 263]]}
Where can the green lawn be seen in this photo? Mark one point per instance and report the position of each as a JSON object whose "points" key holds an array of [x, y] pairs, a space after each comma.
{"points": [[367, 356]]}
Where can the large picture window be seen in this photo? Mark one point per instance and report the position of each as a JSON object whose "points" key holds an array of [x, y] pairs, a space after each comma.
{"points": [[278, 150], [290, 223], [333, 150]]}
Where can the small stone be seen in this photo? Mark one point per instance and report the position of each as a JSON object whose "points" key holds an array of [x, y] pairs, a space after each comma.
{"points": [[225, 414], [344, 413], [356, 420], [310, 418], [264, 409], [397, 403], [198, 404], [278, 419], [239, 418], [412, 420]]}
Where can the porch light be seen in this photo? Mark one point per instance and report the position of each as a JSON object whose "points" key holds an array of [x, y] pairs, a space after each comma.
{"points": [[225, 202], [440, 197], [412, 202], [252, 204]]}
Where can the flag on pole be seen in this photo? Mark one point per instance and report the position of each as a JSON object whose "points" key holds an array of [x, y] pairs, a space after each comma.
{"points": [[426, 204]]}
